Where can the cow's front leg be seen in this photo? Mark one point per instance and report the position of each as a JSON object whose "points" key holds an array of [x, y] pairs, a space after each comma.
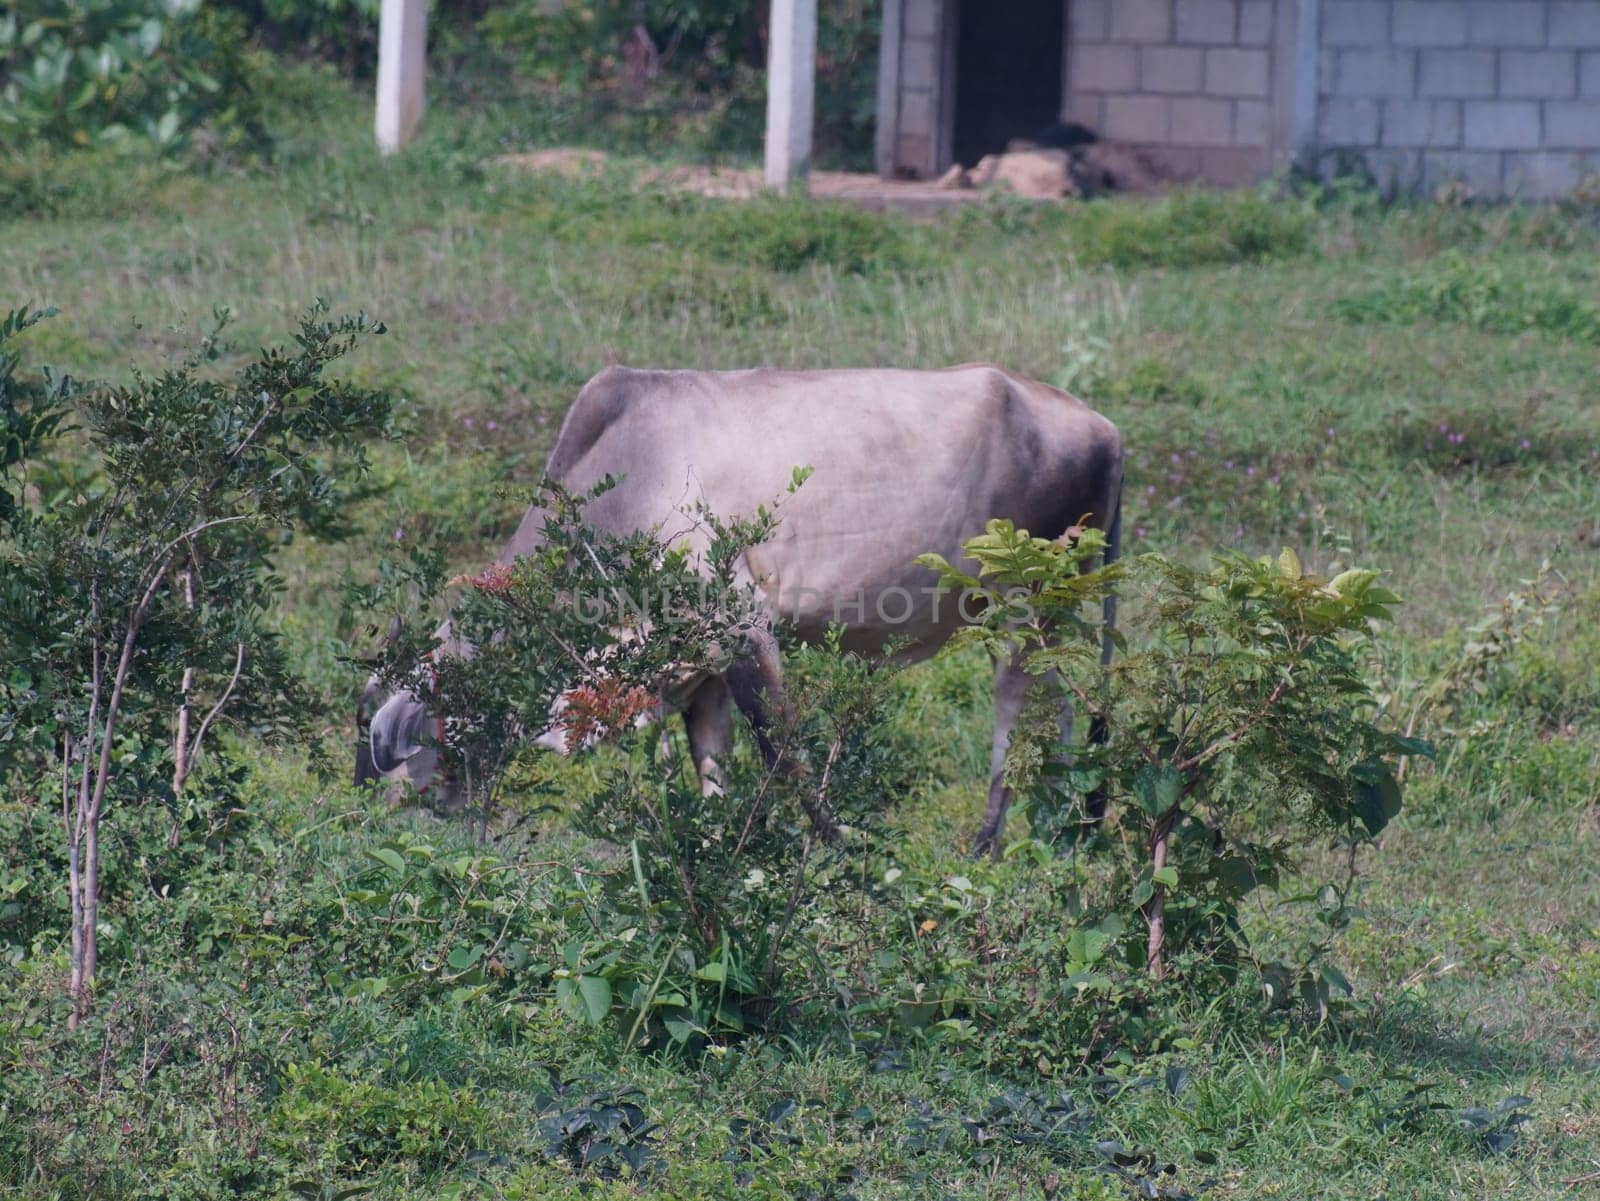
{"points": [[708, 719], [1011, 684], [757, 684]]}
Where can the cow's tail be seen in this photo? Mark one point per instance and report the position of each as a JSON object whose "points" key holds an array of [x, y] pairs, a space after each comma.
{"points": [[1095, 802]]}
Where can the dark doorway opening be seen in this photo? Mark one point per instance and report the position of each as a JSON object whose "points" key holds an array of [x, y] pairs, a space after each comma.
{"points": [[1008, 73]]}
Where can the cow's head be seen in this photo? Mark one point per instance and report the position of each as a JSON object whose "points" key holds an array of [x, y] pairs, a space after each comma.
{"points": [[398, 742]]}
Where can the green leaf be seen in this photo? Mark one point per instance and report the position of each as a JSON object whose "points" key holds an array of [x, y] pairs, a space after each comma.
{"points": [[462, 958], [1289, 564], [595, 992], [1088, 944], [1084, 779], [1352, 582], [1403, 744], [1167, 877], [390, 859], [1376, 795], [1157, 787], [1334, 979]]}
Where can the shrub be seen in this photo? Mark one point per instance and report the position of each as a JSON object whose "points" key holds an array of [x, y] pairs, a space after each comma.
{"points": [[1481, 296], [693, 937], [666, 65], [1194, 229], [83, 73], [343, 31], [135, 607], [324, 1120], [98, 181], [1149, 380], [1185, 229], [1238, 727]]}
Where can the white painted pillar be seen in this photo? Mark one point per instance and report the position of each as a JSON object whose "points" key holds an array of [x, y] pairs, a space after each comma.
{"points": [[402, 62], [791, 91]]}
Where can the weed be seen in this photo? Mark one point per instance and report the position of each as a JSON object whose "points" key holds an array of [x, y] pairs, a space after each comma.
{"points": [[1481, 296]]}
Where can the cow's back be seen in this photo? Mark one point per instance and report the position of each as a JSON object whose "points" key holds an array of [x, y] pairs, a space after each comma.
{"points": [[902, 462]]}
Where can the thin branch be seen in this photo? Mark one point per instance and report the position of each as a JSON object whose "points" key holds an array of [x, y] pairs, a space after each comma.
{"points": [[238, 665], [1227, 740]]}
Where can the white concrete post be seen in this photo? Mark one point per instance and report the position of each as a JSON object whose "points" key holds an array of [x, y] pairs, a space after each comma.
{"points": [[791, 91], [402, 62]]}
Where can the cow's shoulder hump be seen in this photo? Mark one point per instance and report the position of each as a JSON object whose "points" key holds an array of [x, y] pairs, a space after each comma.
{"points": [[603, 401]]}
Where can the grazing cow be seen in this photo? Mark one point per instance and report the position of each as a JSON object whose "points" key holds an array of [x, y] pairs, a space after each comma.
{"points": [[903, 462]]}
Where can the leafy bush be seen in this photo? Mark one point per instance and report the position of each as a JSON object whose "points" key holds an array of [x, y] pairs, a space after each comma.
{"points": [[1481, 296], [75, 74], [79, 182], [175, 1054], [1151, 380], [668, 65], [582, 617], [1185, 229], [325, 1121], [1238, 726], [577, 42], [135, 607], [694, 942], [342, 31]]}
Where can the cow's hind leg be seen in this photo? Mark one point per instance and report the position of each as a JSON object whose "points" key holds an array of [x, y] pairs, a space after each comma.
{"points": [[1011, 684]]}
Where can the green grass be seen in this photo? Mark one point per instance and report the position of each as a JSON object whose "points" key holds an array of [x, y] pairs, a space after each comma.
{"points": [[1219, 332]]}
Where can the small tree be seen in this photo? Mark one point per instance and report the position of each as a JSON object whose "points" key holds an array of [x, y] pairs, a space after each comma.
{"points": [[135, 608], [1238, 717]]}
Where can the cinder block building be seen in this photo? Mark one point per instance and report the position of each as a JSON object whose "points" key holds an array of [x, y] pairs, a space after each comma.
{"points": [[1503, 95]]}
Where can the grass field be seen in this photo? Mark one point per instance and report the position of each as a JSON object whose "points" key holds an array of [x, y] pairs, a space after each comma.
{"points": [[1418, 383]]}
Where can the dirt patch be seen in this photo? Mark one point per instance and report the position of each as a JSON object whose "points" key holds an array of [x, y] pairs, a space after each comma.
{"points": [[1030, 172], [569, 161], [742, 183]]}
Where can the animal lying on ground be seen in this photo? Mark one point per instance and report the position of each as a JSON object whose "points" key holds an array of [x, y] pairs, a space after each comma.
{"points": [[903, 462]]}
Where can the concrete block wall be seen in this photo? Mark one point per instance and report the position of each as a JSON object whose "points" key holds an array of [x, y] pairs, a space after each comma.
{"points": [[1503, 95], [1189, 80]]}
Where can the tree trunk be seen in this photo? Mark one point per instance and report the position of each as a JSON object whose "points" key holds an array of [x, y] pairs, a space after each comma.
{"points": [[180, 740], [1155, 909], [74, 878], [91, 909]]}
